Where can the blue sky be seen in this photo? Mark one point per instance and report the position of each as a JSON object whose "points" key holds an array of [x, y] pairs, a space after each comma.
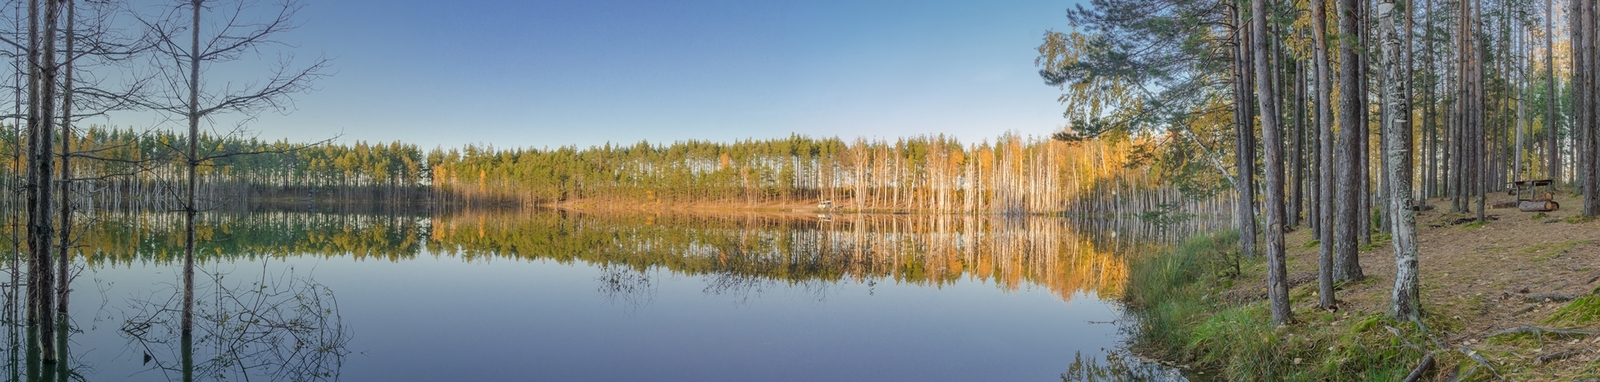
{"points": [[555, 73]]}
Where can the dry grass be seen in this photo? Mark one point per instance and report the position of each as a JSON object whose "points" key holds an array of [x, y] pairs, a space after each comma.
{"points": [[1474, 281]]}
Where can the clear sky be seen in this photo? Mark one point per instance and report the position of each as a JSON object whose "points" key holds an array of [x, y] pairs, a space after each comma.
{"points": [[555, 73]]}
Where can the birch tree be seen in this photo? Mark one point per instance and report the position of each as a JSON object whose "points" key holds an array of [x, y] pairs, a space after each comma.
{"points": [[1404, 304]]}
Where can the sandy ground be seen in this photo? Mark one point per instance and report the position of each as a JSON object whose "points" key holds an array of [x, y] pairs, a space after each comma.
{"points": [[1476, 280]]}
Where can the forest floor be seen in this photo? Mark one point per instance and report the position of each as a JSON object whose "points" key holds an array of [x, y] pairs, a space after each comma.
{"points": [[1519, 268]]}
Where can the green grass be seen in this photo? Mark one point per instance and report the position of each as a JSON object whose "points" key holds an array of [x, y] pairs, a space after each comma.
{"points": [[1581, 311], [1175, 296]]}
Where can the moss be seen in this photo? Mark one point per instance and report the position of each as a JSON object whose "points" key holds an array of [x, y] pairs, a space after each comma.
{"points": [[1170, 294]]}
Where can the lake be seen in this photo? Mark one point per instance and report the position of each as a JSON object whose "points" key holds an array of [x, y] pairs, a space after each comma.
{"points": [[557, 295]]}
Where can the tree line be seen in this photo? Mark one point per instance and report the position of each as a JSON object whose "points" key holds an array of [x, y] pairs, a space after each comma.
{"points": [[1014, 174], [1460, 97]]}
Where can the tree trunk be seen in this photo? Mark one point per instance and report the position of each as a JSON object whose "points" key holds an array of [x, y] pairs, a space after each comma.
{"points": [[1325, 207], [63, 288], [1272, 139], [1347, 263], [190, 162], [1404, 304], [41, 237], [1244, 139], [1591, 137], [1552, 148]]}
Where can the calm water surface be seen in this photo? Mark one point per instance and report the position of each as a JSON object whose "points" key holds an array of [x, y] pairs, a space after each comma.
{"points": [[583, 297]]}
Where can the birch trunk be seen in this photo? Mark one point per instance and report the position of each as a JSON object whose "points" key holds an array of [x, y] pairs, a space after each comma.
{"points": [[1404, 303]]}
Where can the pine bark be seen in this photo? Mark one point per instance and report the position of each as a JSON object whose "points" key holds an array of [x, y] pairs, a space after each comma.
{"points": [[1272, 139], [1244, 139], [1552, 148], [1325, 208], [1347, 263]]}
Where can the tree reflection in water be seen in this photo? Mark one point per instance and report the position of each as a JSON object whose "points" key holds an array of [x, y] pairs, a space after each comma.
{"points": [[280, 326], [632, 287], [1118, 367]]}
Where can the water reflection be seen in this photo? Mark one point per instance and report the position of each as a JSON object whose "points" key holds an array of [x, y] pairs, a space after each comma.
{"points": [[737, 253], [257, 319], [279, 326], [1117, 367]]}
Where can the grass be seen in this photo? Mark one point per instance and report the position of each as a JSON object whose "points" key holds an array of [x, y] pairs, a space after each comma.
{"points": [[1542, 252], [1581, 311], [1183, 316]]}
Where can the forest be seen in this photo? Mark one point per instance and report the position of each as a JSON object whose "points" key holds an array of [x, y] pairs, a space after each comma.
{"points": [[1345, 126]]}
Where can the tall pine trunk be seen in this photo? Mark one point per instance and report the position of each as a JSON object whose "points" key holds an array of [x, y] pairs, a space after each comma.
{"points": [[1325, 205], [1347, 263], [1244, 138], [1272, 139]]}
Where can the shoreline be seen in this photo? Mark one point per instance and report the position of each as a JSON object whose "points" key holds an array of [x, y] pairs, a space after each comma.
{"points": [[1197, 308]]}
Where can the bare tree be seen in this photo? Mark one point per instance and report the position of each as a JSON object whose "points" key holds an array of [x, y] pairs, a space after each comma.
{"points": [[41, 120], [178, 66]]}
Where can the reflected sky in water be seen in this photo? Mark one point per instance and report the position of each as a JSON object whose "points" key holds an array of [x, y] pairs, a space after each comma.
{"points": [[440, 315]]}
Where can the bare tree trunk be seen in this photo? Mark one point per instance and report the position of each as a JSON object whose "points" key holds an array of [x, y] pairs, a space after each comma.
{"points": [[1590, 159], [1431, 185], [1272, 139], [1479, 159], [1347, 263], [190, 162], [1325, 208], [1404, 304], [1552, 148], [41, 237], [63, 288], [1297, 158], [1364, 144], [1244, 139]]}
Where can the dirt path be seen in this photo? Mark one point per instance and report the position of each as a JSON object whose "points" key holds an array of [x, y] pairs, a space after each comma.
{"points": [[1477, 279]]}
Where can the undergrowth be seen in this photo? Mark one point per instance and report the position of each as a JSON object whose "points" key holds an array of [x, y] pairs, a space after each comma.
{"points": [[1183, 316], [1580, 311]]}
